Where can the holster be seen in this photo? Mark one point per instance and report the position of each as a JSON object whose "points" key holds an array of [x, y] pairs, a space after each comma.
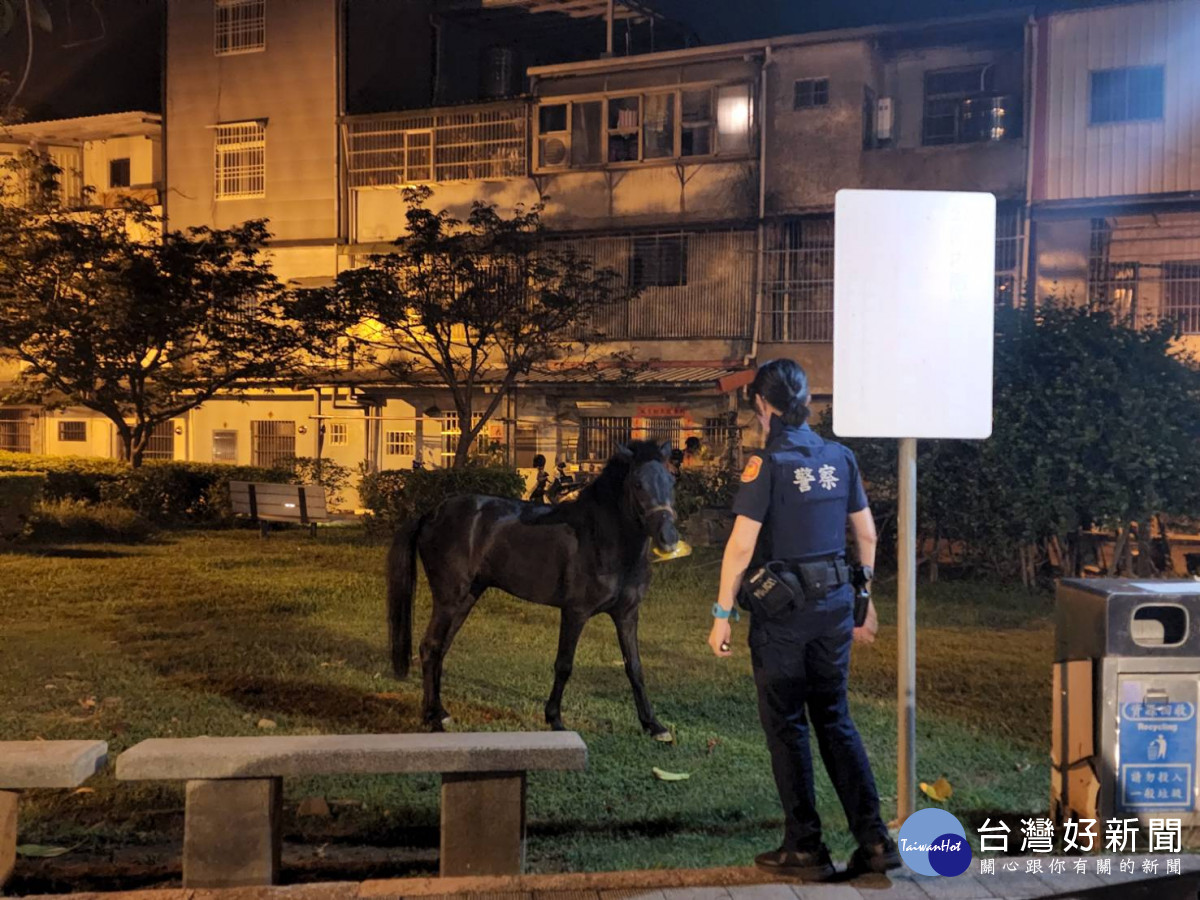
{"points": [[821, 577], [771, 591]]}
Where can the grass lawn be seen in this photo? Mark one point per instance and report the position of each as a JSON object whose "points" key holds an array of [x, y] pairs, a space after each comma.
{"points": [[210, 632]]}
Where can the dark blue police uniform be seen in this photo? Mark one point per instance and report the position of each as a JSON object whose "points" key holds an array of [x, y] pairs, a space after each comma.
{"points": [[801, 489]]}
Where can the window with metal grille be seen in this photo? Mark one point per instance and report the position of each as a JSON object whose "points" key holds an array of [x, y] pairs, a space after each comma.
{"points": [[16, 431], [118, 172], [662, 428], [798, 281], [400, 443], [600, 435], [441, 145], [1181, 294], [659, 260], [451, 433], [240, 169], [224, 446], [338, 433], [239, 26], [1127, 95], [162, 442], [72, 431], [945, 91], [271, 441], [810, 92], [722, 436], [1010, 239]]}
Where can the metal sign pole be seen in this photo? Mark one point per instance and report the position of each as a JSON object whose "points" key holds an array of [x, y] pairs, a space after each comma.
{"points": [[906, 626]]}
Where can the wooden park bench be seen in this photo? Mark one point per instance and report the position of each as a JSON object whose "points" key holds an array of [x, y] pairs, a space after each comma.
{"points": [[25, 765], [266, 503], [233, 806]]}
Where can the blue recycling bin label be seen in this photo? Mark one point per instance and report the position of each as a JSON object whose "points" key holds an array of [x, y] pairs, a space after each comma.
{"points": [[1157, 755]]}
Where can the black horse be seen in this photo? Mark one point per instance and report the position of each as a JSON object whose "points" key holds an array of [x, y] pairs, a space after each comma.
{"points": [[585, 556]]}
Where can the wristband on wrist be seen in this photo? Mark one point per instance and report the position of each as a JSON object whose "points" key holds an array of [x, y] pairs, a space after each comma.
{"points": [[720, 612]]}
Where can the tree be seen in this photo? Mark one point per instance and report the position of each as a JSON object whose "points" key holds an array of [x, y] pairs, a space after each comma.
{"points": [[102, 309], [470, 305], [1097, 423]]}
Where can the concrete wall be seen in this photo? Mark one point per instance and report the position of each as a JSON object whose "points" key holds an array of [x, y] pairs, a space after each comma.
{"points": [[293, 84], [1076, 159], [813, 153]]}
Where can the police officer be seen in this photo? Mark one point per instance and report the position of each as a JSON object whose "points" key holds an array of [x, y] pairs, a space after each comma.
{"points": [[792, 507]]}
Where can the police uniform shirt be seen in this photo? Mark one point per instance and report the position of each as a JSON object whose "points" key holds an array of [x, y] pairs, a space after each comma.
{"points": [[801, 487]]}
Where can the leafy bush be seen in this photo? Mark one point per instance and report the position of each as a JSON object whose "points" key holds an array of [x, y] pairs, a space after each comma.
{"points": [[67, 477], [1096, 424], [697, 489], [19, 495], [179, 492], [162, 491], [396, 495], [332, 476], [73, 520]]}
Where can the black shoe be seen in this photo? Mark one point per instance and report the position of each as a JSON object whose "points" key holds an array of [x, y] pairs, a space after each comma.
{"points": [[877, 858], [815, 865]]}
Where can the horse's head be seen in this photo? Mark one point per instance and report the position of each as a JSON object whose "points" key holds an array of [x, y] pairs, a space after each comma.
{"points": [[650, 490]]}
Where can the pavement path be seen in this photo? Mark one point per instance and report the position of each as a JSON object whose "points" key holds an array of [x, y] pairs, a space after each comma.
{"points": [[1014, 878]]}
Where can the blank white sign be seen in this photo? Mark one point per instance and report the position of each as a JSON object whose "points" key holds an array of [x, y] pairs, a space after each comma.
{"points": [[913, 314]]}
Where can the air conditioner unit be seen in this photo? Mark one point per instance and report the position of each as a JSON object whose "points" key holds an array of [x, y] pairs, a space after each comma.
{"points": [[885, 119], [554, 152]]}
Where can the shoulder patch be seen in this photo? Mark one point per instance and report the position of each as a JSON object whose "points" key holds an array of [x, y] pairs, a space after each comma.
{"points": [[753, 467]]}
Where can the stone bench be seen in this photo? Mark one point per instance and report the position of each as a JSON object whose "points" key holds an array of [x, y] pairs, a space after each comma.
{"points": [[25, 765], [234, 792]]}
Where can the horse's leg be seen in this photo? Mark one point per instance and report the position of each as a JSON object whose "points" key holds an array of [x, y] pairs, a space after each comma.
{"points": [[626, 620], [444, 624], [569, 630]]}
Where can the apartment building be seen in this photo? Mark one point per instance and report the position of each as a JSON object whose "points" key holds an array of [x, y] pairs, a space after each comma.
{"points": [[706, 174], [1115, 160]]}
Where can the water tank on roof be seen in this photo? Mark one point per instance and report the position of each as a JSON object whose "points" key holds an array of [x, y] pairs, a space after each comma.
{"points": [[499, 72]]}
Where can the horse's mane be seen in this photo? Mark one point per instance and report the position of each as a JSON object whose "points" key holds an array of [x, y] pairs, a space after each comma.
{"points": [[607, 487]]}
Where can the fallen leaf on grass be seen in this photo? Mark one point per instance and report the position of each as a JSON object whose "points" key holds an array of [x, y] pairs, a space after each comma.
{"points": [[940, 790], [670, 776], [88, 703], [713, 743], [1021, 767], [41, 851], [84, 790]]}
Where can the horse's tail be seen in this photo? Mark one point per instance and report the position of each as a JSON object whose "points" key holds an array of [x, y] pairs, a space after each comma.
{"points": [[401, 581]]}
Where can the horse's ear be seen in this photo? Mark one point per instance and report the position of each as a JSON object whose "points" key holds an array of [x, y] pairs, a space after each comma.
{"points": [[624, 452], [665, 450]]}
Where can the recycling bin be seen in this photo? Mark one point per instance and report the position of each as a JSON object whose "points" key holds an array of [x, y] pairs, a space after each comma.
{"points": [[1126, 688]]}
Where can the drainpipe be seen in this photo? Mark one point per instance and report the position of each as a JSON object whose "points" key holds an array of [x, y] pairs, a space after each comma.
{"points": [[609, 17], [760, 264], [1029, 260]]}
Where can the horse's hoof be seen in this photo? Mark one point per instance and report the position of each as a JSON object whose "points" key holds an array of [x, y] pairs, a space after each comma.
{"points": [[663, 737]]}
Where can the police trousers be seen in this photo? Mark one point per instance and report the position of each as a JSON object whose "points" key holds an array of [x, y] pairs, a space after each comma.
{"points": [[801, 668]]}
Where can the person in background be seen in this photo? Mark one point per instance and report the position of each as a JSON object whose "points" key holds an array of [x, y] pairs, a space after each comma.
{"points": [[563, 482], [675, 465], [786, 562], [693, 453], [538, 494]]}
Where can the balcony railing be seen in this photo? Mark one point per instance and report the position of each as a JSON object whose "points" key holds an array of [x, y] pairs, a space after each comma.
{"points": [[436, 145]]}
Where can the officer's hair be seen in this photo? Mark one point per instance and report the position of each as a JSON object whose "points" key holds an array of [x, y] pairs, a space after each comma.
{"points": [[783, 384]]}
